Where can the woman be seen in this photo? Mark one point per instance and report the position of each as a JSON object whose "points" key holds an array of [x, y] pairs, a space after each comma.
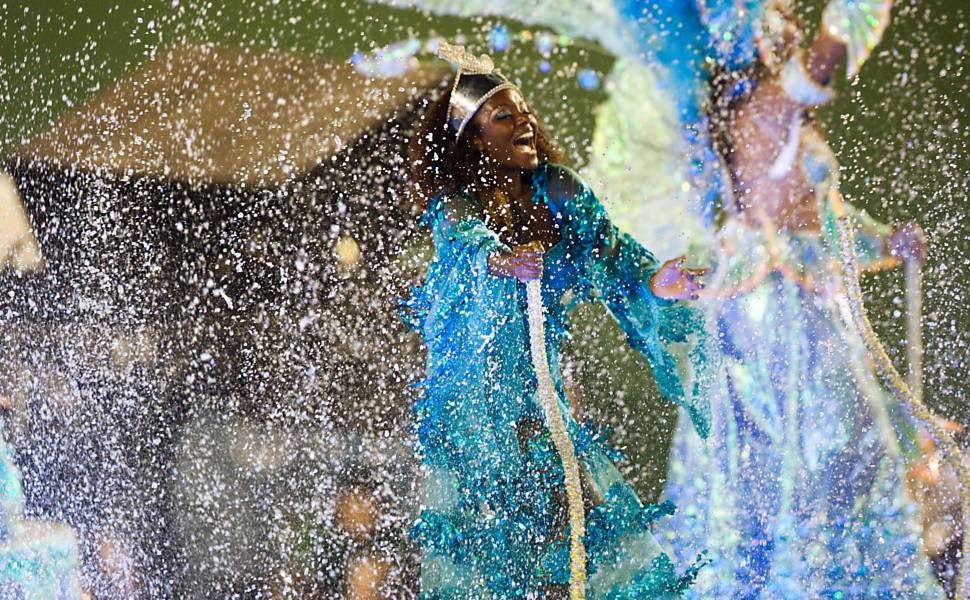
{"points": [[801, 491], [503, 212]]}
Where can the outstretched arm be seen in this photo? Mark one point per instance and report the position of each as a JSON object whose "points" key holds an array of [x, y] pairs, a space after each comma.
{"points": [[617, 270], [823, 56], [669, 281], [877, 246]]}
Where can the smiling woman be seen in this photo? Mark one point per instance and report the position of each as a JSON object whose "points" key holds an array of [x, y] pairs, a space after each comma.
{"points": [[502, 213], [439, 163], [506, 130]]}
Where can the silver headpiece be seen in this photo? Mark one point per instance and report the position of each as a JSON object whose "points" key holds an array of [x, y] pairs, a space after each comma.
{"points": [[475, 82]]}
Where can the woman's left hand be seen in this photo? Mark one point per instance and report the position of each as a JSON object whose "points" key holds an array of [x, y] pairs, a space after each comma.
{"points": [[673, 281]]}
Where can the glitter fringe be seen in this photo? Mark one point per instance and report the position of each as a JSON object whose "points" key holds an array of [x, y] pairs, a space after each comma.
{"points": [[560, 437], [898, 386]]}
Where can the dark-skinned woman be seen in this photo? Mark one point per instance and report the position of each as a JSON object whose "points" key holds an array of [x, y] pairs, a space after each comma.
{"points": [[504, 213]]}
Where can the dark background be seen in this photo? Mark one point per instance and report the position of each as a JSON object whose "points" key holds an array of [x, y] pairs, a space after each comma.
{"points": [[900, 131]]}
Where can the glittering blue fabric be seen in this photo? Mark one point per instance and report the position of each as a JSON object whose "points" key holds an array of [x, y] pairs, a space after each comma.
{"points": [[685, 36], [799, 492], [492, 523]]}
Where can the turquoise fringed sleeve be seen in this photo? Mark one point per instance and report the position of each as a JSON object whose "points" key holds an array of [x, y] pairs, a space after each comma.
{"points": [[465, 315], [616, 270], [478, 385], [462, 246]]}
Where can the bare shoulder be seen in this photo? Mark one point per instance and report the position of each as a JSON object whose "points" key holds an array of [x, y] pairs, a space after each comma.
{"points": [[458, 206], [564, 184]]}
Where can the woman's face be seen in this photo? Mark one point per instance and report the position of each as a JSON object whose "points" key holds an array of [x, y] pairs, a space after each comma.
{"points": [[507, 131]]}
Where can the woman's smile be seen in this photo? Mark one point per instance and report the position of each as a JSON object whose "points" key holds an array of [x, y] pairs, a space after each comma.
{"points": [[525, 141]]}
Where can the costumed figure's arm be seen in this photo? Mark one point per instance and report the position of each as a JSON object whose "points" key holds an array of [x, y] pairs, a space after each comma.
{"points": [[460, 311], [854, 28], [850, 28], [626, 276], [877, 245]]}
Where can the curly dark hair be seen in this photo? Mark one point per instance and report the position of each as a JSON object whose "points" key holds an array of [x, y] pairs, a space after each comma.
{"points": [[729, 89], [438, 163]]}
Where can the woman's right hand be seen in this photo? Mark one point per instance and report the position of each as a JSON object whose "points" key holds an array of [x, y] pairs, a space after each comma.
{"points": [[523, 262], [674, 281]]}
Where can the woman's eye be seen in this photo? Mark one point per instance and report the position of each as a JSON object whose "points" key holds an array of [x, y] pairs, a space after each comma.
{"points": [[502, 115]]}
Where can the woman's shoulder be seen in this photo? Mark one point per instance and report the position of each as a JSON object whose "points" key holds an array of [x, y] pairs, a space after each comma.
{"points": [[561, 174], [561, 182], [453, 204]]}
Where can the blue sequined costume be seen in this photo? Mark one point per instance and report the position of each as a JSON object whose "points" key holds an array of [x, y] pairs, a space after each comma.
{"points": [[800, 491], [492, 523]]}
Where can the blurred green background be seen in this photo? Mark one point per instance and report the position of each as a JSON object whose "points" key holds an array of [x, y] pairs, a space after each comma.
{"points": [[900, 131]]}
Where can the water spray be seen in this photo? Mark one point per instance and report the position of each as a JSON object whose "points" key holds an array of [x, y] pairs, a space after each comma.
{"points": [[908, 394]]}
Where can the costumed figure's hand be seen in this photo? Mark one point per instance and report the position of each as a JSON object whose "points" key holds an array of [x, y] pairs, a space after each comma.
{"points": [[857, 24], [908, 243], [673, 281], [523, 262]]}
